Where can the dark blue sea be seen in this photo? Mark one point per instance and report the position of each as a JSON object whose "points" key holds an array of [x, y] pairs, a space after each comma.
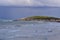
{"points": [[20, 12]]}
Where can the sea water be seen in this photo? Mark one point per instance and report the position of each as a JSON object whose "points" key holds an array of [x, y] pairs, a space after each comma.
{"points": [[22, 12], [28, 30]]}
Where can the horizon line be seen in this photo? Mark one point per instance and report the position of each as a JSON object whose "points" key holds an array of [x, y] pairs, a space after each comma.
{"points": [[32, 6]]}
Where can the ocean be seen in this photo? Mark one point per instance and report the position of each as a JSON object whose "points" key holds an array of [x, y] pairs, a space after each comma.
{"points": [[21, 12], [28, 30]]}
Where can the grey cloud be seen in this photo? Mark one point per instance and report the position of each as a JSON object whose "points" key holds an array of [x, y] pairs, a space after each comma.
{"points": [[30, 2]]}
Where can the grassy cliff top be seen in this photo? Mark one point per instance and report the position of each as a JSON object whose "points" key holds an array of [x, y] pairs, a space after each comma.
{"points": [[42, 17]]}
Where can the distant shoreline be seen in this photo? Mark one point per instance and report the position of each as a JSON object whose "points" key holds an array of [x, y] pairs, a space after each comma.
{"points": [[39, 18]]}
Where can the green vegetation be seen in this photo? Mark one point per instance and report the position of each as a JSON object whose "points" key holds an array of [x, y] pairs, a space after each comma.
{"points": [[42, 17]]}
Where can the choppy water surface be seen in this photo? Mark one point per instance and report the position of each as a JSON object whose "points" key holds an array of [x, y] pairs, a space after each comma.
{"points": [[28, 30]]}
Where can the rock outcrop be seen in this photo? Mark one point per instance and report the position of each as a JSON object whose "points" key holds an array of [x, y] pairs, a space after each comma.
{"points": [[40, 18]]}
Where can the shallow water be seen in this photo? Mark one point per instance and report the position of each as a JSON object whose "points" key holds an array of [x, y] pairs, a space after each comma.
{"points": [[29, 30]]}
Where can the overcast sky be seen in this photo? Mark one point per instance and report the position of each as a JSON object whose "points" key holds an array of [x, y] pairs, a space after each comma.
{"points": [[30, 2]]}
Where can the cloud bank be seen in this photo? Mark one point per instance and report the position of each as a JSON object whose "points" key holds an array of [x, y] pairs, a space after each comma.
{"points": [[30, 2]]}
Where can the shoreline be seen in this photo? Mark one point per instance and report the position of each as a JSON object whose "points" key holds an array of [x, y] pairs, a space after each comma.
{"points": [[39, 18]]}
